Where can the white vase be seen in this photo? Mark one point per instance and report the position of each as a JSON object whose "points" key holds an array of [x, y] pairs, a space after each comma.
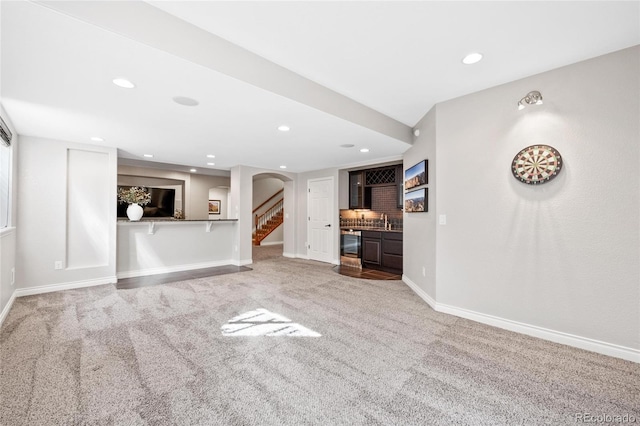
{"points": [[134, 212]]}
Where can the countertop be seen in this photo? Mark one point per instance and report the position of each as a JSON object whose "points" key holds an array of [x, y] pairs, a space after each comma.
{"points": [[368, 228], [162, 219]]}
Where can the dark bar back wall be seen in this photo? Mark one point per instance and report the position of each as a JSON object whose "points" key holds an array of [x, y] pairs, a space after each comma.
{"points": [[383, 201]]}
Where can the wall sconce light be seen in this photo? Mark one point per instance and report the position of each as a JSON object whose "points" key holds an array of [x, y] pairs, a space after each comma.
{"points": [[532, 98]]}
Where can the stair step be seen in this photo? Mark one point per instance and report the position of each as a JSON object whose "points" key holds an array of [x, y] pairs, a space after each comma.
{"points": [[268, 227]]}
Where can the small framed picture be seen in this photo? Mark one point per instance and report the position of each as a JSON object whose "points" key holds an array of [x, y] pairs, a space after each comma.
{"points": [[214, 206], [416, 201], [416, 175]]}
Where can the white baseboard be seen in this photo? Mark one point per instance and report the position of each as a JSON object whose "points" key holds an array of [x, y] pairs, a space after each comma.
{"points": [[586, 343], [176, 268], [420, 292], [306, 257], [295, 256], [7, 307], [598, 346], [240, 262], [272, 243], [64, 286]]}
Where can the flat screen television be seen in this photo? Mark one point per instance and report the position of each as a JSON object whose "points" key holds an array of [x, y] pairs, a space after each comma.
{"points": [[162, 203]]}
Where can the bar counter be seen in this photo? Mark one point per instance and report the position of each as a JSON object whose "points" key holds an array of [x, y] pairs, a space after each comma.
{"points": [[156, 245]]}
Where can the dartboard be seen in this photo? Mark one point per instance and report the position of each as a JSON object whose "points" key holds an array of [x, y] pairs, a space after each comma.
{"points": [[536, 164]]}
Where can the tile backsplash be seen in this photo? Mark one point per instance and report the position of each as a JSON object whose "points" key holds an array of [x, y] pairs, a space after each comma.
{"points": [[371, 220], [384, 199]]}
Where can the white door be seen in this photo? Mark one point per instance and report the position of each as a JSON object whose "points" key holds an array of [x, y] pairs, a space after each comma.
{"points": [[320, 229]]}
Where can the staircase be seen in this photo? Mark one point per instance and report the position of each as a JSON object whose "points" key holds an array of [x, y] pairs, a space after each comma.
{"points": [[268, 221]]}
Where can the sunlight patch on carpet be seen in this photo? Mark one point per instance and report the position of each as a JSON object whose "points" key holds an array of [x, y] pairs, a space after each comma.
{"points": [[262, 322]]}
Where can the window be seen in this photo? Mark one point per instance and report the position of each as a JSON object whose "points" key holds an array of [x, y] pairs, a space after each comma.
{"points": [[5, 173]]}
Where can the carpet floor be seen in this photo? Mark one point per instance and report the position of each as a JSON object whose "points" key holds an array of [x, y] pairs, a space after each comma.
{"points": [[289, 343]]}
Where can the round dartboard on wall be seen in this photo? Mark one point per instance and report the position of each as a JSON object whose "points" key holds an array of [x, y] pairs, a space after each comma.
{"points": [[536, 164]]}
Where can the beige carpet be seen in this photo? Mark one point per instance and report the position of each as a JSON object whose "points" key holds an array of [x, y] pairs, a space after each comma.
{"points": [[157, 356], [262, 253]]}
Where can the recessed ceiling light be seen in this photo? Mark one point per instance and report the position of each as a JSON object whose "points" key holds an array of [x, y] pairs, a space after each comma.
{"points": [[283, 167], [347, 145], [193, 170], [97, 139], [364, 150], [148, 155], [124, 83], [284, 128], [211, 156], [211, 164], [472, 58], [183, 100]]}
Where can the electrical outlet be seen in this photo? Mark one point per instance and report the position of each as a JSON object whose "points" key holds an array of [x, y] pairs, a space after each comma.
{"points": [[13, 276], [424, 271], [57, 264], [443, 219]]}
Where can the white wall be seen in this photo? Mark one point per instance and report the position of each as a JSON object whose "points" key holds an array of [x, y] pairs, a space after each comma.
{"points": [[265, 187], [201, 186], [48, 231], [419, 243], [240, 208], [89, 210], [290, 229], [169, 246], [8, 235], [7, 264], [561, 259], [343, 189], [221, 194]]}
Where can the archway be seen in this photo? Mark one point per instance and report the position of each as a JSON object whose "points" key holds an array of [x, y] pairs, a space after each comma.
{"points": [[268, 216], [242, 182]]}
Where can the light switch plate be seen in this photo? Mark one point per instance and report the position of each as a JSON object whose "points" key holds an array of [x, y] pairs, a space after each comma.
{"points": [[443, 219]]}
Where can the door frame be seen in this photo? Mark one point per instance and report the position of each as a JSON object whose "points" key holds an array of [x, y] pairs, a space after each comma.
{"points": [[332, 207]]}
